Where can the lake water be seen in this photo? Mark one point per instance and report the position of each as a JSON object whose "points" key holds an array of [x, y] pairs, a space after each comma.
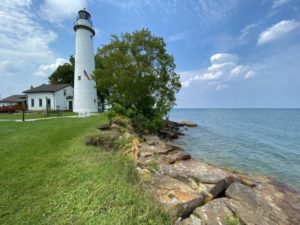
{"points": [[265, 141]]}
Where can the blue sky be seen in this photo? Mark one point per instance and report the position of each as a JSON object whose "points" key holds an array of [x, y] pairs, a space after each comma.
{"points": [[229, 53]]}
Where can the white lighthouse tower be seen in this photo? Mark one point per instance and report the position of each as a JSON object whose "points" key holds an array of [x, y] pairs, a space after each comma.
{"points": [[85, 93]]}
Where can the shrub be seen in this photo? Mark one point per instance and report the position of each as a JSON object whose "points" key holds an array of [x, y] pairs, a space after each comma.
{"points": [[106, 140], [110, 114], [122, 121]]}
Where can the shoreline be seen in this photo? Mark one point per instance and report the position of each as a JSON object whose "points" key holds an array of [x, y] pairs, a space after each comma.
{"points": [[192, 188]]}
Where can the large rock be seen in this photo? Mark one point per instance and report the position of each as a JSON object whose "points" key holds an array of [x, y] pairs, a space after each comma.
{"points": [[160, 152], [242, 193], [186, 124], [202, 177], [177, 196], [215, 212], [191, 220], [176, 156], [266, 203], [152, 139]]}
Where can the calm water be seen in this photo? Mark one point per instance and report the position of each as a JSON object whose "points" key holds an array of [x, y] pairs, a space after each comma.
{"points": [[265, 141]]}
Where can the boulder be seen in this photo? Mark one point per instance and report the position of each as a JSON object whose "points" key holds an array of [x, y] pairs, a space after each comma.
{"points": [[202, 177], [176, 156], [215, 212], [156, 149], [242, 193], [152, 139], [175, 195], [266, 203], [147, 158], [191, 220], [169, 133], [186, 124]]}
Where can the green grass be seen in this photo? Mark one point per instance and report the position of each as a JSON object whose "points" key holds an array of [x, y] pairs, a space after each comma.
{"points": [[33, 115], [48, 176]]}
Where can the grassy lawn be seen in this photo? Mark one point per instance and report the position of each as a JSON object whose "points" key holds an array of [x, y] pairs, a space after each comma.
{"points": [[48, 176], [33, 115]]}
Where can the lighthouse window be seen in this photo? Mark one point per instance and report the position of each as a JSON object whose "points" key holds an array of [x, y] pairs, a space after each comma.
{"points": [[94, 100], [79, 77], [91, 36]]}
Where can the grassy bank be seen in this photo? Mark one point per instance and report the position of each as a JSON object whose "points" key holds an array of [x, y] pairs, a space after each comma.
{"points": [[48, 176]]}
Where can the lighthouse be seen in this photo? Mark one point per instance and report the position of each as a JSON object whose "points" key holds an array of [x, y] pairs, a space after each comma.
{"points": [[85, 93]]}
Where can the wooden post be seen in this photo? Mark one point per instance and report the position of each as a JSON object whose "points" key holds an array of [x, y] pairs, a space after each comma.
{"points": [[23, 119]]}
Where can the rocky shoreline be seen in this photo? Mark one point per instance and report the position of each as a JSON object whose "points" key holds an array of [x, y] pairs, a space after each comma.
{"points": [[200, 193]]}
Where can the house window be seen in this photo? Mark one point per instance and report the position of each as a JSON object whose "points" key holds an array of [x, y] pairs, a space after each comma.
{"points": [[32, 102], [65, 92], [48, 103], [40, 102], [79, 77]]}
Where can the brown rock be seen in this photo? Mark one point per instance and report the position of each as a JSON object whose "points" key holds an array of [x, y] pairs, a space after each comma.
{"points": [[207, 179], [242, 193], [192, 220], [152, 139], [177, 196], [214, 212], [175, 156], [186, 123], [266, 203]]}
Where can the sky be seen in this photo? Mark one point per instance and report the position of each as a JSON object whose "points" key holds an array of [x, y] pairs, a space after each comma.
{"points": [[229, 53]]}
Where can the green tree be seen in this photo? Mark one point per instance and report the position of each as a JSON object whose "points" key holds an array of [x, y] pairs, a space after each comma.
{"points": [[64, 74], [135, 71]]}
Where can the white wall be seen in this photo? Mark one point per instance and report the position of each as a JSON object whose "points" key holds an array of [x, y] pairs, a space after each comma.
{"points": [[85, 93], [58, 99], [61, 103], [36, 97]]}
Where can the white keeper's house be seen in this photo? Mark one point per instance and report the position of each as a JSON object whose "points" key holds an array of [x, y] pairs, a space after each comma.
{"points": [[50, 96]]}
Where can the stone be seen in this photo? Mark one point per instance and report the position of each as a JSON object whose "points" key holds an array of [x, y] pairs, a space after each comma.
{"points": [[192, 220], [214, 213], [151, 139], [247, 215], [148, 158], [186, 123], [242, 193], [267, 203], [209, 180], [177, 196], [175, 156], [168, 133]]}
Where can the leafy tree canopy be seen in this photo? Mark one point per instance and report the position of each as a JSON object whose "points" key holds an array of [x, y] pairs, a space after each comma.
{"points": [[64, 74], [135, 71]]}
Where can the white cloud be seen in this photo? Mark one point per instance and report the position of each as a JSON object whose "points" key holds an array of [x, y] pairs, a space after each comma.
{"points": [[223, 58], [24, 46], [247, 30], [57, 11], [224, 67], [277, 31], [278, 3], [47, 69], [177, 37], [250, 74]]}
